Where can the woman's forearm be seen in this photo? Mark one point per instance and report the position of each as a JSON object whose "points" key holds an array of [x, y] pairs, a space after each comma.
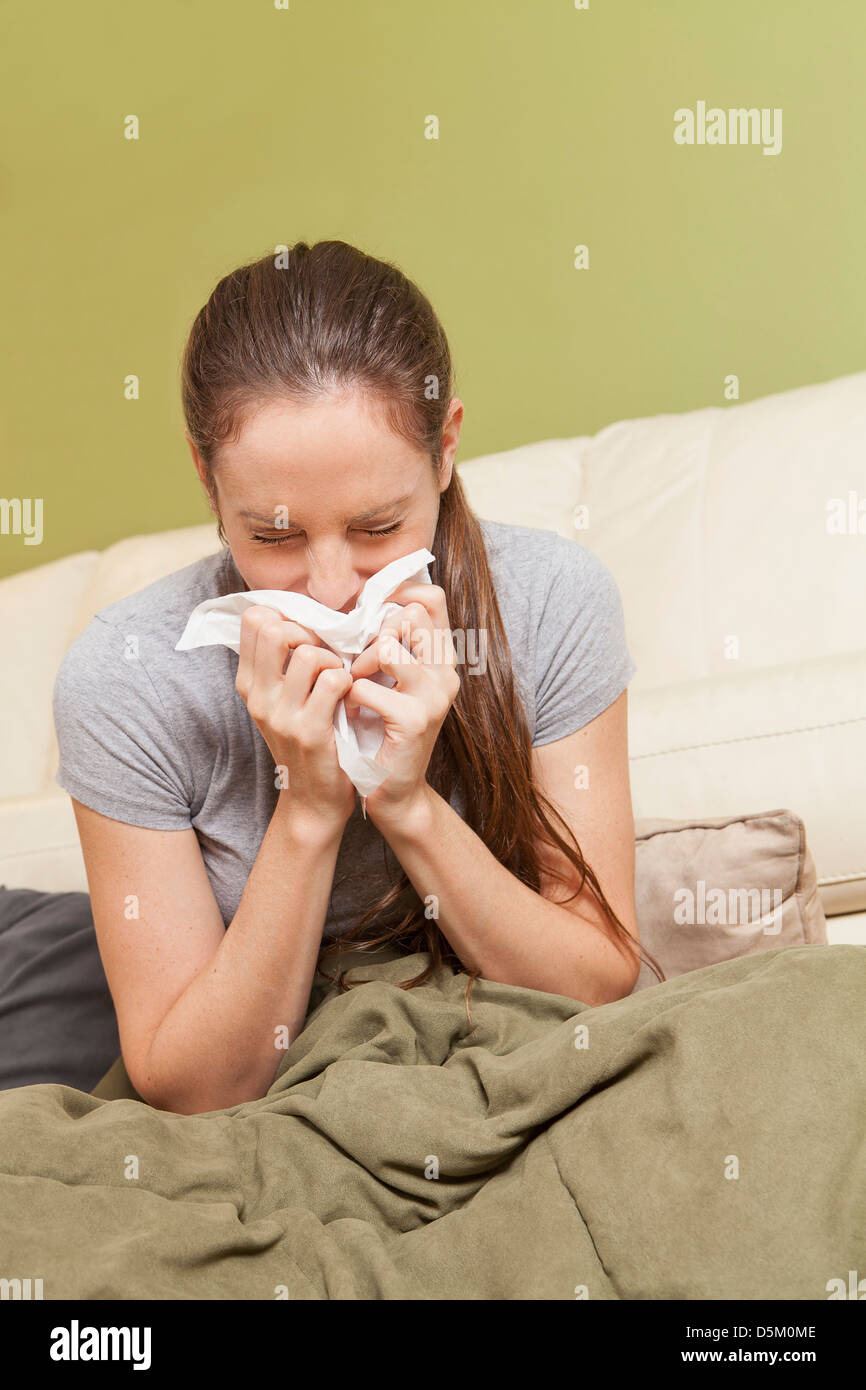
{"points": [[495, 923], [222, 1040]]}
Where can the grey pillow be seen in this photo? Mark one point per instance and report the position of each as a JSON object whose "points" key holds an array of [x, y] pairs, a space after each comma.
{"points": [[57, 1019]]}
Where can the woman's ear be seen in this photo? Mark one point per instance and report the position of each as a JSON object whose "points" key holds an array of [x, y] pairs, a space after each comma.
{"points": [[199, 466], [450, 440], [202, 473]]}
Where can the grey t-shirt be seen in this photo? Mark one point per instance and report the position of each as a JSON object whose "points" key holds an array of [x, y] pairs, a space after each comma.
{"points": [[160, 738]]}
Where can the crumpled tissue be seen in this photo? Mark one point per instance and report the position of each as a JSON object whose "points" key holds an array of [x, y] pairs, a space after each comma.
{"points": [[217, 621]]}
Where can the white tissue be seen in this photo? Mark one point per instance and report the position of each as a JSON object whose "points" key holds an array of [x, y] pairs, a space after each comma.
{"points": [[217, 621]]}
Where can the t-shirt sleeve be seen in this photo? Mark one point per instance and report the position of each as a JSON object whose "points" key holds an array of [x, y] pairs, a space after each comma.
{"points": [[582, 658], [119, 753]]}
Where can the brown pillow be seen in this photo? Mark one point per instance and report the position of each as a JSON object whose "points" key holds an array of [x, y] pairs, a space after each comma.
{"points": [[709, 889]]}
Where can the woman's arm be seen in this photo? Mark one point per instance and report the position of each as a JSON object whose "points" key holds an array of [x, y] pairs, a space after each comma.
{"points": [[202, 1011], [497, 924], [198, 1006]]}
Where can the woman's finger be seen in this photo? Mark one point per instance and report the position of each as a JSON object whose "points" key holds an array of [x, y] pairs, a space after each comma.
{"points": [[431, 598], [419, 689], [256, 619], [413, 627], [435, 645], [398, 709], [410, 674], [331, 685], [371, 657], [306, 665]]}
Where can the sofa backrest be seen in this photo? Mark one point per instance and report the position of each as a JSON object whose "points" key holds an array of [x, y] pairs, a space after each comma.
{"points": [[714, 524]]}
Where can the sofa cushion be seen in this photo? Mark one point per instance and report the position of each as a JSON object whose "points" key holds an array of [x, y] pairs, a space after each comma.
{"points": [[709, 889], [39, 844], [536, 484], [37, 619], [790, 735]]}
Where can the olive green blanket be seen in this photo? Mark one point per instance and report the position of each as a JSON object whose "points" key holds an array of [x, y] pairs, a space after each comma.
{"points": [[705, 1138]]}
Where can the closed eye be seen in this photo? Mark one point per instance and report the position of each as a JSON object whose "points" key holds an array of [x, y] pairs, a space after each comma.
{"points": [[281, 540]]}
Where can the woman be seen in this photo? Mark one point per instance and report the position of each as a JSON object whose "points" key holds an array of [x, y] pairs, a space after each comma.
{"points": [[317, 392]]}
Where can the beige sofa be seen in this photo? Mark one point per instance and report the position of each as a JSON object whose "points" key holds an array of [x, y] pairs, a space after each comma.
{"points": [[732, 532]]}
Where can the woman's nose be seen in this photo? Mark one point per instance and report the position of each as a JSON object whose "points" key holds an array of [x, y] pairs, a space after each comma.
{"points": [[338, 592], [333, 578]]}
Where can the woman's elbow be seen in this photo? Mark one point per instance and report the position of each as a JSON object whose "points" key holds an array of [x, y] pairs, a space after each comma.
{"points": [[192, 1096], [624, 980], [616, 983]]}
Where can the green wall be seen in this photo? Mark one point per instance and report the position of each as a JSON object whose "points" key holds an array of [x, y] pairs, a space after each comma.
{"points": [[259, 126]]}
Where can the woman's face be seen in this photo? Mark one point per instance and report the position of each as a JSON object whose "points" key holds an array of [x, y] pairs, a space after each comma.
{"points": [[314, 499]]}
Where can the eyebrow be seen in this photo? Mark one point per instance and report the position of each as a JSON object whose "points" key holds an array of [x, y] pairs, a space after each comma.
{"points": [[390, 506]]}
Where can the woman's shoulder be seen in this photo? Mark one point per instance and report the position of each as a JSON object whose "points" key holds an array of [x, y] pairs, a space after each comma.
{"points": [[535, 570], [136, 721], [563, 615], [143, 627], [168, 601]]}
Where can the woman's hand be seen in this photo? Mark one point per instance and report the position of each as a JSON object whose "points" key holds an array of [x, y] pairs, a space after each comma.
{"points": [[294, 712], [415, 648]]}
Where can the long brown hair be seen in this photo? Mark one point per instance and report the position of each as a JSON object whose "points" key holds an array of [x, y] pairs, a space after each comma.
{"points": [[313, 318]]}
